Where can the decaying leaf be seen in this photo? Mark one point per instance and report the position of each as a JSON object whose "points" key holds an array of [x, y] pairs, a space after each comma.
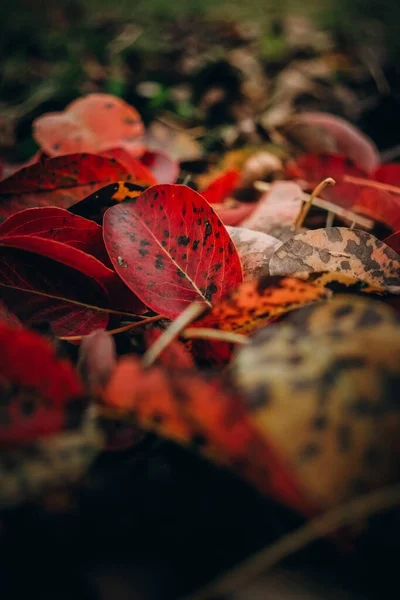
{"points": [[170, 248], [349, 251], [256, 303], [90, 124], [60, 181], [255, 250], [324, 389], [40, 393]]}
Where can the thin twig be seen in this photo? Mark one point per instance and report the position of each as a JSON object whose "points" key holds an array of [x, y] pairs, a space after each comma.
{"points": [[344, 515], [205, 333], [193, 311], [307, 205]]}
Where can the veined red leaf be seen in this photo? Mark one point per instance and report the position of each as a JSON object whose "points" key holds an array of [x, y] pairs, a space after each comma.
{"points": [[380, 205], [171, 249], [163, 167], [40, 393], [320, 132], [90, 124], [389, 173], [138, 170], [49, 222], [221, 187], [60, 181], [38, 289]]}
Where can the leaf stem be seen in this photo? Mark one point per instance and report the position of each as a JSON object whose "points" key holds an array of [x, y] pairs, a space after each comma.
{"points": [[206, 333], [307, 205], [146, 321]]}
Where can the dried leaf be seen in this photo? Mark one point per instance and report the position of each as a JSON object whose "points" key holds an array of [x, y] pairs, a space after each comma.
{"points": [[349, 251], [324, 390], [40, 393], [170, 248], [60, 181], [255, 250], [90, 124]]}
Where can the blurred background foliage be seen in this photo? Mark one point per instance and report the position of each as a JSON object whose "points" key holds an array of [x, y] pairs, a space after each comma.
{"points": [[147, 51]]}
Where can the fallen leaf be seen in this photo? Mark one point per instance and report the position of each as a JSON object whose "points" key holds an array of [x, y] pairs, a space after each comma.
{"points": [[40, 393], [394, 241], [234, 215], [380, 205], [180, 404], [94, 206], [389, 173], [138, 170], [163, 168], [255, 250], [60, 225], [221, 187], [319, 132], [254, 304], [175, 355], [277, 210], [171, 249], [349, 251], [60, 181], [323, 388], [90, 124], [37, 289]]}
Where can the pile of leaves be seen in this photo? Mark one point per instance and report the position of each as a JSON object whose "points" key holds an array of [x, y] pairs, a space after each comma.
{"points": [[257, 301]]}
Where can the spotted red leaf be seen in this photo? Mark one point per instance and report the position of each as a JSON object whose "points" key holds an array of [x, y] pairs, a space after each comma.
{"points": [[60, 181], [164, 168], [37, 289], [90, 124], [137, 168], [40, 393], [171, 249], [221, 187]]}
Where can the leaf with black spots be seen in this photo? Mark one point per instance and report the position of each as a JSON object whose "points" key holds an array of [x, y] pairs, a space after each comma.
{"points": [[60, 181], [323, 388], [339, 249], [171, 249]]}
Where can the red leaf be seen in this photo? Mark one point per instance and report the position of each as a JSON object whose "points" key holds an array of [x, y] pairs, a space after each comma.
{"points": [[334, 134], [171, 249], [394, 241], [58, 224], [38, 289], [164, 168], [175, 355], [389, 173], [221, 187], [378, 204], [8, 316], [61, 181], [90, 124], [234, 215], [140, 173], [39, 392]]}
